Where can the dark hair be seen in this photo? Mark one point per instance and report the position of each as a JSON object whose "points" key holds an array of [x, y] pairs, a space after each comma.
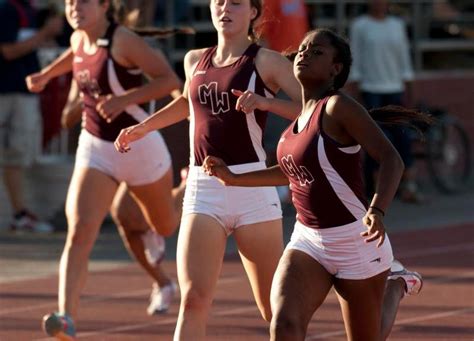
{"points": [[117, 12], [257, 4], [394, 115], [343, 54], [391, 115]]}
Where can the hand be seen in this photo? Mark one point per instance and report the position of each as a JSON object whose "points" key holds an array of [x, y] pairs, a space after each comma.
{"points": [[110, 106], [128, 135], [213, 166], [248, 101], [375, 227], [36, 82]]}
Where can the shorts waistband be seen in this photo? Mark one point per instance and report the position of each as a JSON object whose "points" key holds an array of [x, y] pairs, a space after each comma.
{"points": [[333, 231]]}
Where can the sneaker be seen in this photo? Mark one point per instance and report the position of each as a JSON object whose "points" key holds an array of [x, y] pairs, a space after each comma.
{"points": [[413, 280], [154, 245], [25, 221], [160, 298], [59, 326]]}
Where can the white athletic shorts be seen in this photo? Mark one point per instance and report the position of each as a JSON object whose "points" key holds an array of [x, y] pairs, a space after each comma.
{"points": [[146, 162], [342, 250], [231, 206]]}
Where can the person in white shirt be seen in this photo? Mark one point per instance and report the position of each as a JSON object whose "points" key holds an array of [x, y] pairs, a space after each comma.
{"points": [[383, 72]]}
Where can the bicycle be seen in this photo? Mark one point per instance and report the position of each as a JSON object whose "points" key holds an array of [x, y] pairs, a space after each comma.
{"points": [[447, 151]]}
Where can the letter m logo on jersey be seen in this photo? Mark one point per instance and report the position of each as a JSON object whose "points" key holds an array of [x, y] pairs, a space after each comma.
{"points": [[219, 101], [301, 173]]}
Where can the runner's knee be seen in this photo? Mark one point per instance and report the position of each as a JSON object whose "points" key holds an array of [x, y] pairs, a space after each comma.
{"points": [[81, 233], [285, 324], [164, 226], [196, 300]]}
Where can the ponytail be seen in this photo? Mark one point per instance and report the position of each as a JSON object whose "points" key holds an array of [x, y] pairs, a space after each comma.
{"points": [[117, 12], [393, 115], [162, 32]]}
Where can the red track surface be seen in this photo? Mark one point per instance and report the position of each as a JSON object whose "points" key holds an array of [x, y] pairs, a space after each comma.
{"points": [[114, 303]]}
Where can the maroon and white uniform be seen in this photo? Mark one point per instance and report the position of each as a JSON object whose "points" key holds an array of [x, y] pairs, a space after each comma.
{"points": [[326, 178], [328, 194], [218, 129], [100, 75]]}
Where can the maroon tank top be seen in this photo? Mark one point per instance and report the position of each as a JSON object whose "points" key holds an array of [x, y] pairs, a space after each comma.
{"points": [[216, 128], [100, 75], [325, 177]]}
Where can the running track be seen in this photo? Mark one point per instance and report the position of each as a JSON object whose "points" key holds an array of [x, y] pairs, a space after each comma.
{"points": [[113, 306]]}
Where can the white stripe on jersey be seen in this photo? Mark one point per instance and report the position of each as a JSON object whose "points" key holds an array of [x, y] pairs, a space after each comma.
{"points": [[255, 131], [135, 72], [133, 110], [340, 187], [350, 150], [192, 126], [268, 94]]}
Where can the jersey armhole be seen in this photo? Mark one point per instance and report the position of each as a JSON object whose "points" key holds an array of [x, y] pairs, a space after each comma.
{"points": [[328, 137], [265, 86]]}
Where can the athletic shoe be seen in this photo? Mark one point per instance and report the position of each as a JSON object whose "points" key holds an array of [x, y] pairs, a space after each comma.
{"points": [[413, 280], [160, 298], [25, 221], [59, 326], [154, 245]]}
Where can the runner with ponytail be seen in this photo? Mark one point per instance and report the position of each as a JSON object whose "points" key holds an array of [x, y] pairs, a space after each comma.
{"points": [[339, 239], [109, 62]]}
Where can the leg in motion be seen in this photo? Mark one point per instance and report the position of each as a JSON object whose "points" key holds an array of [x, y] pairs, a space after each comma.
{"points": [[160, 203], [146, 246], [400, 283], [300, 286], [260, 248], [201, 246], [85, 211], [361, 304]]}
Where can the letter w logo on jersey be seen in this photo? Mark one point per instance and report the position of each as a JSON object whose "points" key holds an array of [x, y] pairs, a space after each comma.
{"points": [[219, 101], [87, 84], [301, 173]]}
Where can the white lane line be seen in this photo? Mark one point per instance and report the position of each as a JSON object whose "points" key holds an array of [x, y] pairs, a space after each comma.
{"points": [[170, 320], [99, 298], [416, 253], [160, 322], [401, 322]]}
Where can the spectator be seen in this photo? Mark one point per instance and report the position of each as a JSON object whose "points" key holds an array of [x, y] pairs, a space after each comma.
{"points": [[20, 127], [383, 73]]}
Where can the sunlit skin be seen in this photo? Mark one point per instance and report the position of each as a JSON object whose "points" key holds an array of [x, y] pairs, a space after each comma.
{"points": [[231, 17], [315, 64], [85, 208], [76, 13]]}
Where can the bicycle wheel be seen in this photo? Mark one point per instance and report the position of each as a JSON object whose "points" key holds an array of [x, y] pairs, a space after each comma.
{"points": [[449, 155]]}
